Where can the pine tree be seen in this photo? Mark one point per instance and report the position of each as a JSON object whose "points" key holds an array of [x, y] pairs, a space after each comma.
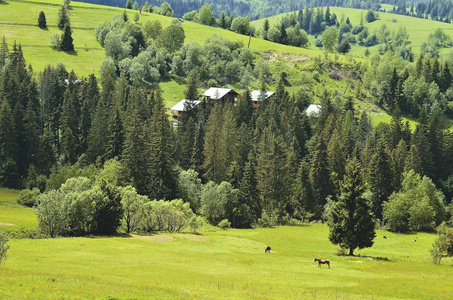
{"points": [[380, 178], [66, 39], [9, 173], [245, 108], [63, 18], [45, 158], [283, 35], [136, 155], [42, 23], [222, 21], [249, 187], [90, 99], [4, 52], [162, 164], [398, 160], [320, 175], [197, 158], [115, 134], [98, 134], [266, 27], [350, 222], [214, 147], [445, 78]]}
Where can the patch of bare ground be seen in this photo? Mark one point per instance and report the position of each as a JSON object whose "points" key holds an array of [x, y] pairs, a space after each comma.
{"points": [[290, 59], [6, 224], [152, 238], [193, 238]]}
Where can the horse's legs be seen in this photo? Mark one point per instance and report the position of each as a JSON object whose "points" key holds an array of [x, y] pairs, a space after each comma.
{"points": [[328, 265]]}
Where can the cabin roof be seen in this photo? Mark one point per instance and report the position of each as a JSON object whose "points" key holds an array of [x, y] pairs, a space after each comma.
{"points": [[313, 110], [217, 93], [180, 105], [256, 95]]}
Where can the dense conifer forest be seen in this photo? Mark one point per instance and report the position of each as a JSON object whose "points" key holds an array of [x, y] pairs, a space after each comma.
{"points": [[267, 165]]}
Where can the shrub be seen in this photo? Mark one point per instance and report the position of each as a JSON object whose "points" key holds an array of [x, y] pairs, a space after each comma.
{"points": [[224, 224], [3, 246], [28, 197]]}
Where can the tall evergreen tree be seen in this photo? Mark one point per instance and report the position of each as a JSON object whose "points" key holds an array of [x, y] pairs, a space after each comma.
{"points": [[163, 179], [115, 134], [380, 177], [9, 173], [63, 18], [42, 23], [98, 134], [350, 222], [67, 42], [136, 155], [214, 147]]}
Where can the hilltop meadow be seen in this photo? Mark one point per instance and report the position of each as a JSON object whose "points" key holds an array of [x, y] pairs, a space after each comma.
{"points": [[215, 264]]}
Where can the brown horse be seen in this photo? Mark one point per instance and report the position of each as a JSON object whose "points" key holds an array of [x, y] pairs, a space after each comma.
{"points": [[322, 262]]}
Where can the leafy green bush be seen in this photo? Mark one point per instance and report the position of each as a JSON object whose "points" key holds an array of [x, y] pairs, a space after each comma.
{"points": [[224, 224], [3, 246], [28, 197]]}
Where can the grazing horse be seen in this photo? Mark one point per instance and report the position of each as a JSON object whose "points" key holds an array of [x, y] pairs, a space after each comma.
{"points": [[322, 261], [268, 250]]}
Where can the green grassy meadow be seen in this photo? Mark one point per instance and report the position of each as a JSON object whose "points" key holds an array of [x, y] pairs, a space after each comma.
{"points": [[217, 264], [418, 29]]}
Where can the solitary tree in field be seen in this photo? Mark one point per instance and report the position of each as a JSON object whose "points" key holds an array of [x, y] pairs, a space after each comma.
{"points": [[63, 18], [42, 23], [350, 222], [129, 4], [66, 39]]}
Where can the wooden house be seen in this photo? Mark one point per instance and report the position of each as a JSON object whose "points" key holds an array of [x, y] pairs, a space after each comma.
{"points": [[179, 109], [257, 97], [220, 95]]}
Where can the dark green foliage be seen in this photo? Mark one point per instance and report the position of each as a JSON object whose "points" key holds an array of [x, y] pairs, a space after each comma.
{"points": [[128, 4], [108, 211], [66, 39], [350, 222], [42, 23], [162, 164], [63, 18]]}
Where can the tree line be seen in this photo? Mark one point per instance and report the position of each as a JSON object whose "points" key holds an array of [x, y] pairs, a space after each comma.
{"points": [[151, 53], [265, 166]]}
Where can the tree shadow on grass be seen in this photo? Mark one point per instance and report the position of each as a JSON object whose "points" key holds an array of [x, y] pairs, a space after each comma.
{"points": [[2, 2], [44, 29], [71, 52], [373, 257]]}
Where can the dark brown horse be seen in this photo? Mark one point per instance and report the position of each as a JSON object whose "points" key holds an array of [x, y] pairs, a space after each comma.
{"points": [[322, 262]]}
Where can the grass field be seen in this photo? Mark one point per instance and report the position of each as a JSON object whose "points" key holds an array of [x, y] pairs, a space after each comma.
{"points": [[418, 29], [219, 264]]}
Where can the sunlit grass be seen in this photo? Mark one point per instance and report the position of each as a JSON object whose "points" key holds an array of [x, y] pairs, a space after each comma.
{"points": [[223, 264]]}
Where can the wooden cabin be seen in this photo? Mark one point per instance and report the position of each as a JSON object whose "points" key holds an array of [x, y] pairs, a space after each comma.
{"points": [[220, 95], [257, 98], [181, 107]]}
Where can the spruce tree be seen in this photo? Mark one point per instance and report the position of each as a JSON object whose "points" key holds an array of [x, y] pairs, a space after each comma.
{"points": [[136, 155], [163, 179], [197, 157], [380, 177], [115, 134], [9, 175], [63, 18], [98, 134], [42, 23], [350, 222], [66, 39], [249, 186], [45, 158], [214, 147]]}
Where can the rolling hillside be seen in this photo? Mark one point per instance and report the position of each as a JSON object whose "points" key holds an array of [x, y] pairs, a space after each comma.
{"points": [[18, 22], [418, 29], [215, 264]]}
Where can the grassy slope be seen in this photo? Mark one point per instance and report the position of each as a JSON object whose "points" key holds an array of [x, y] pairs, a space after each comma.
{"points": [[218, 264], [18, 19], [13, 213], [418, 29]]}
